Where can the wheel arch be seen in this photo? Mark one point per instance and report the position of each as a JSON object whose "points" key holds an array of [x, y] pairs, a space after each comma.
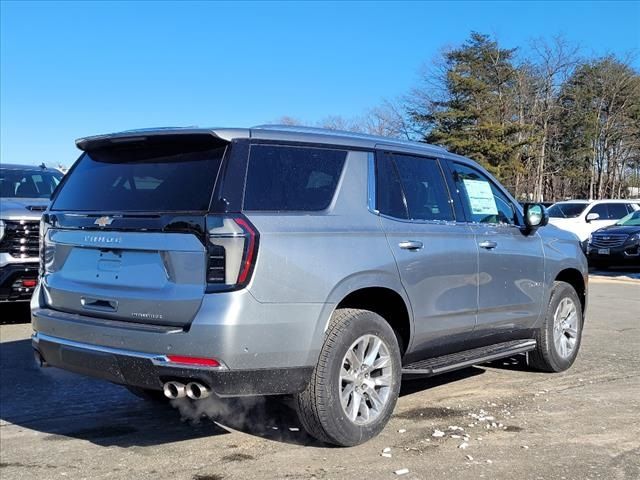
{"points": [[576, 279], [387, 303]]}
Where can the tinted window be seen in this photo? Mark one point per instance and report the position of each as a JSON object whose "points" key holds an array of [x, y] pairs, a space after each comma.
{"points": [[633, 219], [155, 178], [566, 210], [424, 188], [389, 197], [292, 178], [600, 209], [15, 183], [484, 202], [617, 211]]}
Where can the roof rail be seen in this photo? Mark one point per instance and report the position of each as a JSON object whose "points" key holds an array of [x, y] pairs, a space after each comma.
{"points": [[341, 133]]}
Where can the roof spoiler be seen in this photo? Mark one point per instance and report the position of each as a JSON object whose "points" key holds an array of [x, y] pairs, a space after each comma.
{"points": [[135, 136]]}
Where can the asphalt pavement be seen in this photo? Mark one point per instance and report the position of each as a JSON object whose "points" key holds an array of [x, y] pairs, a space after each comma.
{"points": [[510, 422]]}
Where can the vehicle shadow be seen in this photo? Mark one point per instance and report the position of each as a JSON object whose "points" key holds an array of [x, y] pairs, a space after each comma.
{"points": [[415, 383], [14, 312], [64, 405]]}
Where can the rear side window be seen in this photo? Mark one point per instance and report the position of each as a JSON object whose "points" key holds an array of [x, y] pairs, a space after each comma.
{"points": [[422, 185], [284, 179], [143, 177], [389, 196], [617, 211]]}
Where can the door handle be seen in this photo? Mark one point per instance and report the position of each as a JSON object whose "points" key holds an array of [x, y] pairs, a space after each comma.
{"points": [[488, 244], [411, 245]]}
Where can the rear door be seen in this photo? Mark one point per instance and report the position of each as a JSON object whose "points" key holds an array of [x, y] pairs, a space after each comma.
{"points": [[510, 264], [126, 237], [436, 257]]}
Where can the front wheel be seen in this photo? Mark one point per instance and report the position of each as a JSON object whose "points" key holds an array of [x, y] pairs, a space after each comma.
{"points": [[355, 385], [559, 337]]}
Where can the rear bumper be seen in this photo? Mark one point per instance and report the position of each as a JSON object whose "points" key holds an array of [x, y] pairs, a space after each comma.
{"points": [[266, 348], [151, 371], [11, 276]]}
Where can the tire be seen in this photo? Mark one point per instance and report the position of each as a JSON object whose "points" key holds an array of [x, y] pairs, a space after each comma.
{"points": [[320, 407], [554, 353], [155, 396]]}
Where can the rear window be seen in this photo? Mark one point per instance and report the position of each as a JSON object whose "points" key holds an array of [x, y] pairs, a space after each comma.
{"points": [[566, 210], [292, 178], [176, 176]]}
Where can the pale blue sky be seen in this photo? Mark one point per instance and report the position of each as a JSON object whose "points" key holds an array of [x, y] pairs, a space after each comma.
{"points": [[70, 69]]}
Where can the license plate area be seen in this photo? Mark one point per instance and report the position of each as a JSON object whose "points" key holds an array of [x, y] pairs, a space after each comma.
{"points": [[603, 251]]}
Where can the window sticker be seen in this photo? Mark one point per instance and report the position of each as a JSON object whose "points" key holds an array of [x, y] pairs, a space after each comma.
{"points": [[480, 197]]}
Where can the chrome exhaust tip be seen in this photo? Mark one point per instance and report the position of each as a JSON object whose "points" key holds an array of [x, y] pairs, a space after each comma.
{"points": [[197, 391], [173, 390]]}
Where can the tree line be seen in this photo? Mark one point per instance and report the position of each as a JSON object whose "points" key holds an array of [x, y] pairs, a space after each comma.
{"points": [[550, 125]]}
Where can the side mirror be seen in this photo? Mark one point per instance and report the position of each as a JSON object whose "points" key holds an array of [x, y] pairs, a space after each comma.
{"points": [[535, 216], [592, 216]]}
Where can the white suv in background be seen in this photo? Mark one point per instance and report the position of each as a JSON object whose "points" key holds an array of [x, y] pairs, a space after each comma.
{"points": [[584, 217]]}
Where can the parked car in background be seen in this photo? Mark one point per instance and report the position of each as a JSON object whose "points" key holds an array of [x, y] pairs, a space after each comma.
{"points": [[24, 195], [616, 245], [582, 217], [284, 260]]}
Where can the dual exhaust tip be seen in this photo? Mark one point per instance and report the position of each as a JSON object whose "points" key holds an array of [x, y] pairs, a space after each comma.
{"points": [[193, 390]]}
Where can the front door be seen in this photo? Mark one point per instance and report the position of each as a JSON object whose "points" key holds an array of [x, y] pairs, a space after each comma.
{"points": [[510, 263]]}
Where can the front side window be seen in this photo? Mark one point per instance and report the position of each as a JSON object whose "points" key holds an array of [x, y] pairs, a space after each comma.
{"points": [[16, 183], [283, 178], [602, 210], [484, 202]]}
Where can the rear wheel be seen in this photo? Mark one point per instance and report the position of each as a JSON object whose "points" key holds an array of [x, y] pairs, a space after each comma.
{"points": [[558, 339], [355, 385]]}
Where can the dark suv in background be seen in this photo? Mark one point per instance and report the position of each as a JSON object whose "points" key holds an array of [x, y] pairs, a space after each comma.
{"points": [[24, 195], [277, 260]]}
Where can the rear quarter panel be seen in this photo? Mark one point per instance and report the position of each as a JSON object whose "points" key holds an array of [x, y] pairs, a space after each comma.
{"points": [[320, 257]]}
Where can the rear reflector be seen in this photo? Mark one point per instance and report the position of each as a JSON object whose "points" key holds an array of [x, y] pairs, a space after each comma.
{"points": [[29, 283], [206, 362]]}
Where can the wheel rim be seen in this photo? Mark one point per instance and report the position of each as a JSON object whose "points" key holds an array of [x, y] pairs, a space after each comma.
{"points": [[366, 376], [565, 327]]}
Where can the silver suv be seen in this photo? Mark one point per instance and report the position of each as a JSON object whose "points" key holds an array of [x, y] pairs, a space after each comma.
{"points": [[277, 260], [24, 195]]}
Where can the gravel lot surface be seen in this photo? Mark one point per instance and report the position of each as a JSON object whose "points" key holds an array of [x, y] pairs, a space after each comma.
{"points": [[511, 423]]}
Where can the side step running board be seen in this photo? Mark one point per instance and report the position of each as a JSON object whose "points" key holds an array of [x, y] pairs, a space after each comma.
{"points": [[455, 361]]}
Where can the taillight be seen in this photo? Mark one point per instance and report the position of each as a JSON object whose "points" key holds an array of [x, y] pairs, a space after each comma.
{"points": [[42, 231], [232, 251], [205, 362]]}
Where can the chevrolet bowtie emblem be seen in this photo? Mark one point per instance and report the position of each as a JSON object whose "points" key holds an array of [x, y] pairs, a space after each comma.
{"points": [[103, 221]]}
